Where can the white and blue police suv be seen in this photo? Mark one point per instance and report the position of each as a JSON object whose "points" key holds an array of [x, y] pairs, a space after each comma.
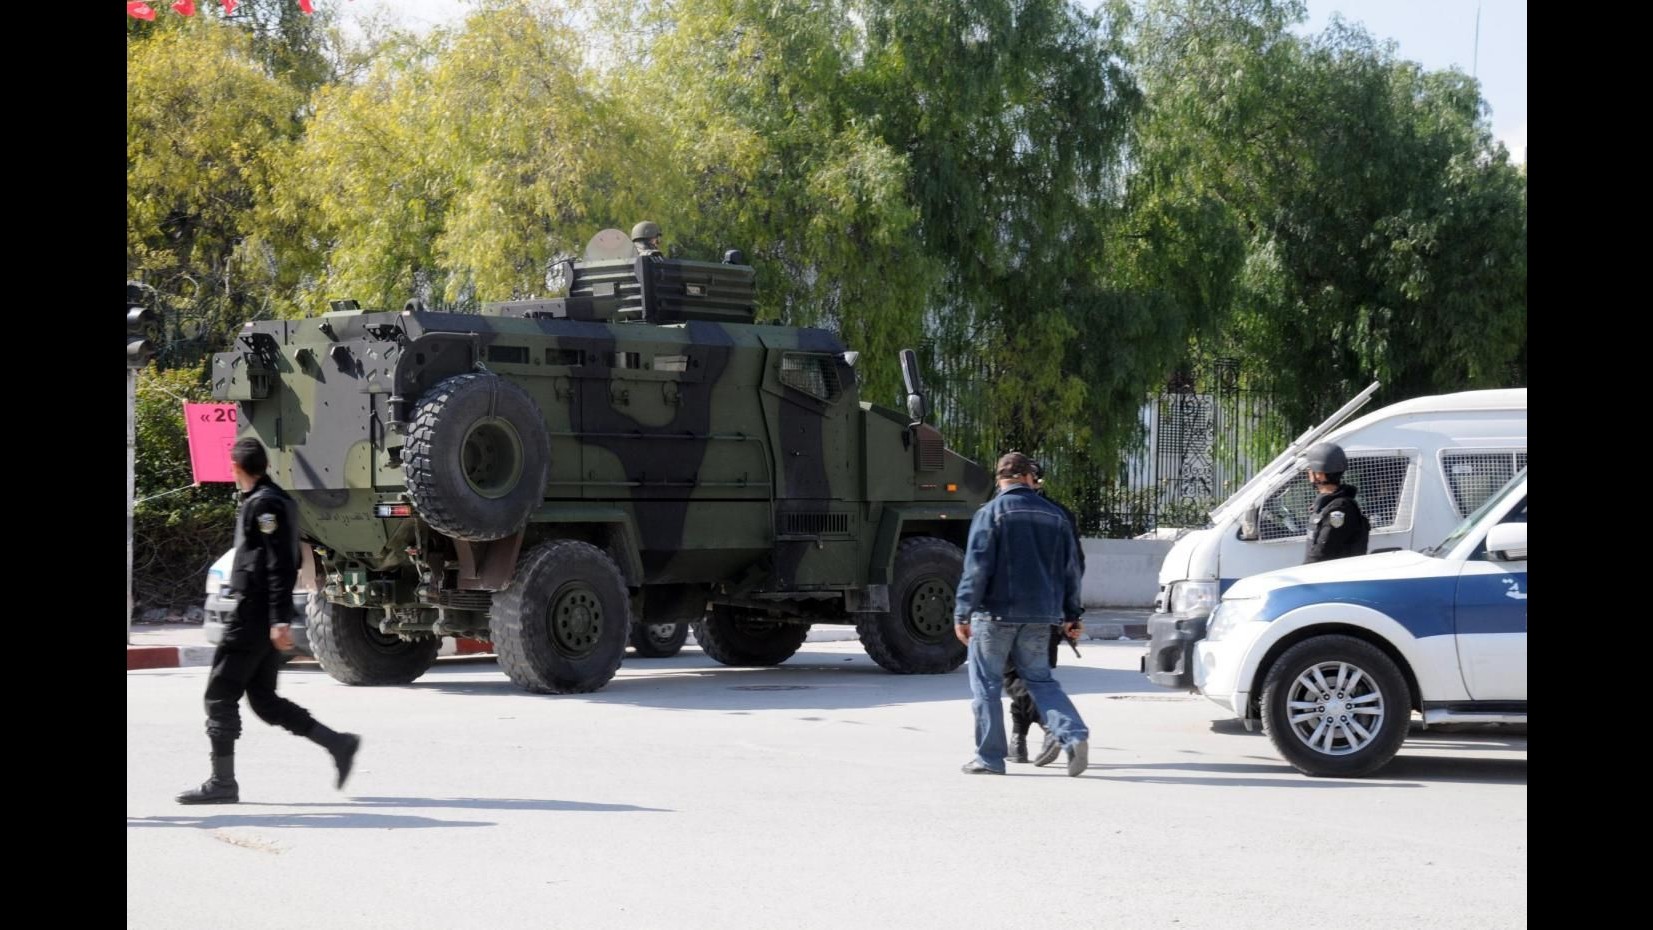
{"points": [[1334, 657]]}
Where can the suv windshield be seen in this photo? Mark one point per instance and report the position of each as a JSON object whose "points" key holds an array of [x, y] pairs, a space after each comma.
{"points": [[1462, 530]]}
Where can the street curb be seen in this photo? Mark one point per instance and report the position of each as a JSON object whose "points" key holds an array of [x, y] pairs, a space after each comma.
{"points": [[141, 657], [148, 657]]}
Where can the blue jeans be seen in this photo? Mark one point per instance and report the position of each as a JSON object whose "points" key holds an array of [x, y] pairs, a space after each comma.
{"points": [[1026, 646]]}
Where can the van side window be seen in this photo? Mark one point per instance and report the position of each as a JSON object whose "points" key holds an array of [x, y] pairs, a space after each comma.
{"points": [[1472, 477], [1384, 488]]}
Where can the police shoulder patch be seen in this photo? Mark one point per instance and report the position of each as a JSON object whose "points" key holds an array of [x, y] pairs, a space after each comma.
{"points": [[266, 523], [1336, 518]]}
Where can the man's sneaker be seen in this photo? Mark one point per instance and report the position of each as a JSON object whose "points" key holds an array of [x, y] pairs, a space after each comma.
{"points": [[1050, 750], [1079, 757], [974, 767], [1018, 748]]}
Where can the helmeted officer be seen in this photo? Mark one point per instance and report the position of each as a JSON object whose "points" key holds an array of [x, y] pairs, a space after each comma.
{"points": [[645, 237], [1337, 528]]}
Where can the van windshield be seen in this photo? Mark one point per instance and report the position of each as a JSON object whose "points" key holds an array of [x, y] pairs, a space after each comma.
{"points": [[1456, 536]]}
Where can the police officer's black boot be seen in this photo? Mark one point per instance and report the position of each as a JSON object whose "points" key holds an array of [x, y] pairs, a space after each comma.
{"points": [[1018, 746], [343, 746], [220, 788]]}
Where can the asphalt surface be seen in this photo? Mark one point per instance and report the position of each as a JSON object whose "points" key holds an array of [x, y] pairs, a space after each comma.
{"points": [[823, 793]]}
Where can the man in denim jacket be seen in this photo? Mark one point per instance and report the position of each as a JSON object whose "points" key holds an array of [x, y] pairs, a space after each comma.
{"points": [[1021, 576]]}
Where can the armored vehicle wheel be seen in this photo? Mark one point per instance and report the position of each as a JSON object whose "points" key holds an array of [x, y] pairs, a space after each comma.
{"points": [[658, 640], [349, 646], [561, 625], [740, 637], [916, 636], [477, 457]]}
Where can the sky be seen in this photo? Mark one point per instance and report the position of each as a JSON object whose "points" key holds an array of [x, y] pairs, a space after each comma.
{"points": [[1435, 33]]}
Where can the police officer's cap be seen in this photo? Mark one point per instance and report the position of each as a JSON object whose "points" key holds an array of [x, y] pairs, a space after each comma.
{"points": [[1327, 457]]}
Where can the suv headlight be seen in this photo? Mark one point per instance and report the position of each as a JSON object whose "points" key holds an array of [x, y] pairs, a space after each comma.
{"points": [[1193, 597], [1230, 614]]}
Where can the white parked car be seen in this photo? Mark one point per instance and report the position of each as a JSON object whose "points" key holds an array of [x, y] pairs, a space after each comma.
{"points": [[221, 604], [1334, 657]]}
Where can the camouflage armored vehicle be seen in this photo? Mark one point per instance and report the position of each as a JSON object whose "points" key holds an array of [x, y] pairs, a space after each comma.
{"points": [[559, 476]]}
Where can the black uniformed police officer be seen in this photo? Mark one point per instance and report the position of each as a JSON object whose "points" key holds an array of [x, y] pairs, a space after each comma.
{"points": [[248, 658], [1337, 528], [1023, 712]]}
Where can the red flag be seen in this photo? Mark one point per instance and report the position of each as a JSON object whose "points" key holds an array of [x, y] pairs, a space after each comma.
{"points": [[229, 7], [141, 11], [305, 6], [184, 7]]}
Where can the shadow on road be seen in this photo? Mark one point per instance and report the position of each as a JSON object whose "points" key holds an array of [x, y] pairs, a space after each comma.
{"points": [[357, 812], [807, 681], [1404, 771], [479, 804], [331, 820]]}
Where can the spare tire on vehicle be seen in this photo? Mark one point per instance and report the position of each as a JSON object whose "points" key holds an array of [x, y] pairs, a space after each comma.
{"points": [[477, 457]]}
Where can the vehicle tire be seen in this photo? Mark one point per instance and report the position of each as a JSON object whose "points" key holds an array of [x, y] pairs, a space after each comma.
{"points": [[915, 637], [658, 640], [560, 627], [348, 645], [1336, 707], [745, 638], [477, 457]]}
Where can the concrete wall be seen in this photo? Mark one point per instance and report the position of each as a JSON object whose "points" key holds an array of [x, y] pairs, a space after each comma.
{"points": [[1123, 572]]}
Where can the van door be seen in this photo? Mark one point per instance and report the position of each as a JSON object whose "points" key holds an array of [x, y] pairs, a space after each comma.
{"points": [[1490, 617], [1385, 483]]}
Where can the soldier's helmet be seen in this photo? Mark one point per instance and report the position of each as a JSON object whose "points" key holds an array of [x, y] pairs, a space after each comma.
{"points": [[1327, 457], [648, 229]]}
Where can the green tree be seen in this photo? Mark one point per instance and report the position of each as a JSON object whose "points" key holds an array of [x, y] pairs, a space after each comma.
{"points": [[205, 124], [178, 530], [1383, 229]]}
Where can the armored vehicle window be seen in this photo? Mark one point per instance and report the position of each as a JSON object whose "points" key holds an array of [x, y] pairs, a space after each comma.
{"points": [[671, 363], [512, 355], [628, 360], [564, 357], [816, 375]]}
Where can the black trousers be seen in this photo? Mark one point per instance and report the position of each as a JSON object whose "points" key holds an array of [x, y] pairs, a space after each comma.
{"points": [[1023, 715], [249, 668]]}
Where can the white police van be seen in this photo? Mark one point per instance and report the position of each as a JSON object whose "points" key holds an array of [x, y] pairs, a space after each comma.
{"points": [[1334, 657], [1419, 466]]}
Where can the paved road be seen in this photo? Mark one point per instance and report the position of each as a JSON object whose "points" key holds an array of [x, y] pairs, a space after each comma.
{"points": [[821, 794]]}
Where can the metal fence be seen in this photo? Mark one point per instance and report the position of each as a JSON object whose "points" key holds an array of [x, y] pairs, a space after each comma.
{"points": [[1202, 437]]}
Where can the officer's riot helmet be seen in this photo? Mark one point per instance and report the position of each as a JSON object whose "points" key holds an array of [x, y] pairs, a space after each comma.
{"points": [[1327, 457]]}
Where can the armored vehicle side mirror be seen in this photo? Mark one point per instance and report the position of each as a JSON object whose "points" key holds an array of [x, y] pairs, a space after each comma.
{"points": [[1248, 524], [918, 405]]}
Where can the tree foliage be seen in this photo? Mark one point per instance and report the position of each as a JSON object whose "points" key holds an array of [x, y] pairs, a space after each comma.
{"points": [[1061, 206]]}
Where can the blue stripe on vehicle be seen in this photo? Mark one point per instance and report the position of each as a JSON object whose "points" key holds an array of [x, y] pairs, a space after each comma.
{"points": [[1424, 606]]}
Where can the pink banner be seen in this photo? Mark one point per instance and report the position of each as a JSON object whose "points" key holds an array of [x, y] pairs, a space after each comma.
{"points": [[211, 434]]}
